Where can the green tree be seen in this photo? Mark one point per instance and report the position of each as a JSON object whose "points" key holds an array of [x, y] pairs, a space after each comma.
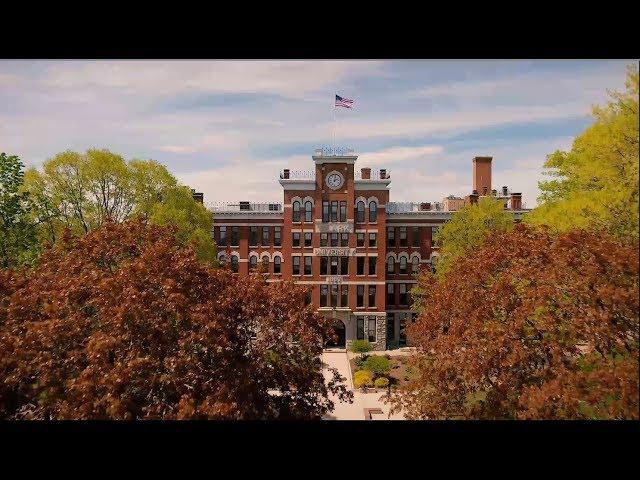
{"points": [[467, 230], [595, 185], [80, 190], [193, 220], [17, 231], [459, 237]]}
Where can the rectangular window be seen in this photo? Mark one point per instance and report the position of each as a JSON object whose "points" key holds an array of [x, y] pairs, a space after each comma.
{"points": [[372, 296], [403, 294], [307, 265], [402, 340], [360, 296], [324, 293], [334, 211], [324, 262], [359, 265], [296, 265], [343, 211], [296, 239], [391, 294], [391, 237], [344, 300], [403, 236], [344, 265], [360, 325], [372, 265], [334, 295], [253, 237], [307, 239], [333, 265], [235, 236], [276, 265], [223, 237], [371, 330], [344, 240], [277, 237], [324, 238], [415, 238], [265, 236], [391, 329], [325, 211], [372, 240], [334, 239], [359, 239]]}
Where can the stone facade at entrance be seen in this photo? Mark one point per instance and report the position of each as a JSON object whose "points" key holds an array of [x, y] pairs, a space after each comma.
{"points": [[337, 231]]}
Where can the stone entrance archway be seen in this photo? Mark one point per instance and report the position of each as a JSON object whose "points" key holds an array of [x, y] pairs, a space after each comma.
{"points": [[340, 331]]}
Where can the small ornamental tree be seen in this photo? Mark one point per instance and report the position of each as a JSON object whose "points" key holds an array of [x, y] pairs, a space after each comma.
{"points": [[532, 326], [126, 323]]}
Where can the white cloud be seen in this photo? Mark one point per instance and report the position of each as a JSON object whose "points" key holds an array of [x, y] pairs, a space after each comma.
{"points": [[399, 154], [294, 79]]}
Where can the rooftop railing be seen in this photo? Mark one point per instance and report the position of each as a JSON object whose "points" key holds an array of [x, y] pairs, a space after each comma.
{"points": [[334, 152], [407, 207], [381, 174], [298, 174], [244, 207]]}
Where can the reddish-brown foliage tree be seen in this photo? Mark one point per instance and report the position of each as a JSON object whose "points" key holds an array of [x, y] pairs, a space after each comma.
{"points": [[123, 323], [531, 326]]}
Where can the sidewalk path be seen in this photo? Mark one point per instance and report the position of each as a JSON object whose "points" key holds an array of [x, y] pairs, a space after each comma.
{"points": [[355, 410]]}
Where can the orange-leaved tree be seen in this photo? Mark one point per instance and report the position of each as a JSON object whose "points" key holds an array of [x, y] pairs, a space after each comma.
{"points": [[124, 323], [532, 326]]}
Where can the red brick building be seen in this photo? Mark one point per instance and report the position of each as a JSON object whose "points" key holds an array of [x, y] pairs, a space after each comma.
{"points": [[338, 231]]}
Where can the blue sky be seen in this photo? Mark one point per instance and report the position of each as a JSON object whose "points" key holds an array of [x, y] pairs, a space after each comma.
{"points": [[227, 128]]}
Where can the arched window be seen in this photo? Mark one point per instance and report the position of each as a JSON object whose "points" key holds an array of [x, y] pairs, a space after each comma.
{"points": [[296, 211], [373, 212], [391, 266], [403, 265], [222, 260], [276, 265], [307, 211], [265, 264], [234, 263], [253, 262], [360, 215], [414, 265]]}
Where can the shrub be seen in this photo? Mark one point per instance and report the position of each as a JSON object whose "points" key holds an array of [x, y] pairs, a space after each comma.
{"points": [[377, 364], [381, 382], [361, 346], [363, 378]]}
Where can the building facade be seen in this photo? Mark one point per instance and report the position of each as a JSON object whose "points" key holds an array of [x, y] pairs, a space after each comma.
{"points": [[338, 231]]}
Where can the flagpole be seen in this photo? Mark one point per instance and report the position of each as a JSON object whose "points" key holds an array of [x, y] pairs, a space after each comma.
{"points": [[333, 133]]}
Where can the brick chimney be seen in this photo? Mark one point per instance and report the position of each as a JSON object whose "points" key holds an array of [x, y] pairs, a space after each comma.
{"points": [[482, 174], [366, 173], [515, 201], [197, 196]]}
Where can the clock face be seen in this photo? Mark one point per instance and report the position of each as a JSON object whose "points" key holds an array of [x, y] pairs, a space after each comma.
{"points": [[335, 180]]}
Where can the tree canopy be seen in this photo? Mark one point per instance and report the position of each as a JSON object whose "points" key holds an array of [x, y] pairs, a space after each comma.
{"points": [[17, 230], [80, 190], [126, 323], [594, 186], [545, 326]]}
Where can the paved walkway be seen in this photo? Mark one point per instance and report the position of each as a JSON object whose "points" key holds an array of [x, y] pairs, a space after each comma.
{"points": [[353, 411]]}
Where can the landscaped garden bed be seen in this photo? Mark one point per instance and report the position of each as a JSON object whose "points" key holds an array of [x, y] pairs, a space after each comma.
{"points": [[373, 372]]}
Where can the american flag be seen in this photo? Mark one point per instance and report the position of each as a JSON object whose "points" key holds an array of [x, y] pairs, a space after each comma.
{"points": [[343, 102]]}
